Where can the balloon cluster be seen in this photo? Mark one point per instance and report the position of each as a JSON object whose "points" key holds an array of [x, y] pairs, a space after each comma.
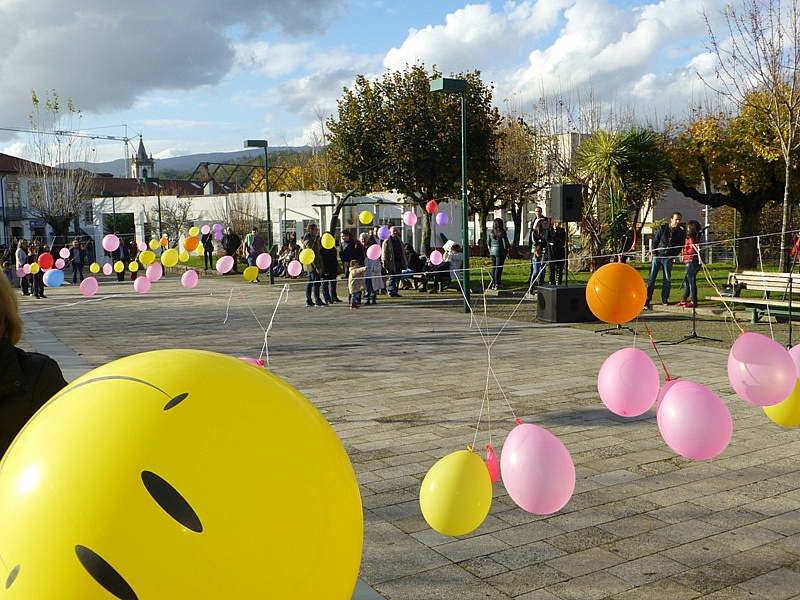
{"points": [[537, 472]]}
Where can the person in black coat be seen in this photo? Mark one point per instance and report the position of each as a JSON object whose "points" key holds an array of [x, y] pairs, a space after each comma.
{"points": [[350, 249], [27, 379], [330, 271], [208, 250], [231, 242], [555, 239]]}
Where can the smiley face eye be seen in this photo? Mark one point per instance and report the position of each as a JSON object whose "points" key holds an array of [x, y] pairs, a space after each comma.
{"points": [[168, 498], [104, 574], [12, 576]]}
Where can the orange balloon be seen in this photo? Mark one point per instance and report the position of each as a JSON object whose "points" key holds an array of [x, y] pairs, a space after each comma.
{"points": [[164, 241], [190, 244], [616, 293]]}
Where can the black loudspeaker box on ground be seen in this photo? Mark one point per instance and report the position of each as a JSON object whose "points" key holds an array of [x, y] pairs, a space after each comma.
{"points": [[566, 202], [563, 304]]}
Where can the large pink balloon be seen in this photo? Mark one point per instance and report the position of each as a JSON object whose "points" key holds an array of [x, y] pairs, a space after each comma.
{"points": [[410, 218], [263, 260], [189, 279], [537, 469], [436, 257], [374, 252], [694, 421], [64, 253], [664, 389], [628, 382], [154, 272], [224, 264], [110, 242], [760, 370], [294, 268], [89, 286], [141, 285]]}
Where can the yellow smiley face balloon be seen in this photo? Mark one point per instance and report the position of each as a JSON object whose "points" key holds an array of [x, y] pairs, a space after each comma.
{"points": [[178, 474]]}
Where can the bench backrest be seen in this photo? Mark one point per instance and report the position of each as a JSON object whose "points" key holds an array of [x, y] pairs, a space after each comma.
{"points": [[766, 281]]}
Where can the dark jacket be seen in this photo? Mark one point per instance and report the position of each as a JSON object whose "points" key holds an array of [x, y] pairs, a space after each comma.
{"points": [[668, 241], [352, 250], [556, 243], [498, 246], [330, 265], [27, 381]]}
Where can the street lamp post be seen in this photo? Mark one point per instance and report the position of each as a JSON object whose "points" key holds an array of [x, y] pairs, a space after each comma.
{"points": [[265, 145], [459, 86], [284, 195]]}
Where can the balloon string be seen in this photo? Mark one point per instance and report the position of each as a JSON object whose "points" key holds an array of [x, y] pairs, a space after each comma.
{"points": [[710, 281], [228, 308], [652, 341], [766, 294], [285, 295]]}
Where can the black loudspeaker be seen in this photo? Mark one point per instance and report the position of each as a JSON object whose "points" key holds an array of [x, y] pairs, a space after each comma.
{"points": [[563, 304], [566, 202]]}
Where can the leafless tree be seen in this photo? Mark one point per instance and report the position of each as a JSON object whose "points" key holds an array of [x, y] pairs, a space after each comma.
{"points": [[175, 217], [759, 69]]}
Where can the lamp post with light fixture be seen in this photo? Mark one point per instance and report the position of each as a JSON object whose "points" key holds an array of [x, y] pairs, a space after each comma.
{"points": [[459, 86], [265, 145]]}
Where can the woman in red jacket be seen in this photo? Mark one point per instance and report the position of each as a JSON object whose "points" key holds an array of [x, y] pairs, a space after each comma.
{"points": [[691, 259]]}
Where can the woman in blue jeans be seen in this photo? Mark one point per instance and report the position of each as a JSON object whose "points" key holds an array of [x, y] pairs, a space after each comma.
{"points": [[691, 259], [498, 249]]}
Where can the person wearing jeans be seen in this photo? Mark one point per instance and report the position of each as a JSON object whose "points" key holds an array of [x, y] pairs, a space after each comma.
{"points": [[691, 259], [667, 244]]}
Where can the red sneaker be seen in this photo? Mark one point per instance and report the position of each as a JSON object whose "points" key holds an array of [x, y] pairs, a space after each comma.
{"points": [[681, 303], [689, 304]]}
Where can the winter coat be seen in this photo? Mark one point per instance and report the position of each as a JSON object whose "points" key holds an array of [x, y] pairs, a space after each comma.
{"points": [[498, 246], [27, 381], [668, 241], [394, 262], [356, 280], [375, 274]]}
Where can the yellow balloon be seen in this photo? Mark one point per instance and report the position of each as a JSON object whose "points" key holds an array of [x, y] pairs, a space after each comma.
{"points": [[94, 267], [183, 256], [170, 258], [250, 273], [153, 244], [786, 413], [365, 217], [327, 241], [306, 256], [194, 231], [133, 266], [94, 509], [119, 266], [35, 268], [164, 242], [147, 257], [456, 493]]}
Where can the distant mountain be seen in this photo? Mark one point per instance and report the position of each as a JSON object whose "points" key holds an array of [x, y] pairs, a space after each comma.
{"points": [[118, 168]]}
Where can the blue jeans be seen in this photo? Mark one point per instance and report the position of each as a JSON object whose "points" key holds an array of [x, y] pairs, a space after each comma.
{"points": [[329, 290], [314, 282], [497, 269], [77, 272], [660, 263], [391, 285], [537, 271], [690, 281]]}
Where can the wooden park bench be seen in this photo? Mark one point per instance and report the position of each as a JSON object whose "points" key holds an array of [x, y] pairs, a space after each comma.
{"points": [[779, 294]]}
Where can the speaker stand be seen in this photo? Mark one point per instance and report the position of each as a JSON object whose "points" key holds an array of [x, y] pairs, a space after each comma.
{"points": [[618, 329], [693, 335]]}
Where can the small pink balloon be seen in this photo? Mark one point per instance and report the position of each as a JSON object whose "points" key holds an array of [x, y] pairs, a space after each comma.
{"points": [[142, 246], [217, 235], [760, 370], [537, 469], [263, 260], [64, 253], [442, 219], [26, 269], [436, 257], [189, 279], [21, 272], [374, 252], [491, 464], [294, 268], [141, 285], [205, 229], [410, 218], [628, 382], [224, 264], [384, 233], [59, 263], [253, 361], [694, 421], [89, 286], [664, 389], [154, 272], [110, 242], [108, 269]]}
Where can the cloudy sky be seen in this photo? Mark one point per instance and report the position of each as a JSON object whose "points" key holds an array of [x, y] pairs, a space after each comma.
{"points": [[204, 75]]}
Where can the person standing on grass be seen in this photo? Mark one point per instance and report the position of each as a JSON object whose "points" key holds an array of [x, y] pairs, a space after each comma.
{"points": [[667, 245], [691, 258], [498, 250]]}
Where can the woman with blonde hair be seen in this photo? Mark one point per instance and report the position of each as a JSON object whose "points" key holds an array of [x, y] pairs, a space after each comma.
{"points": [[27, 379]]}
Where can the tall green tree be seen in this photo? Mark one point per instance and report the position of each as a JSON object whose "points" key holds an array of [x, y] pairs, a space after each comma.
{"points": [[395, 133]]}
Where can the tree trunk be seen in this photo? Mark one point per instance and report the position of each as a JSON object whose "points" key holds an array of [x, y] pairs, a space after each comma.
{"points": [[483, 236], [425, 241], [516, 216], [786, 241], [748, 231]]}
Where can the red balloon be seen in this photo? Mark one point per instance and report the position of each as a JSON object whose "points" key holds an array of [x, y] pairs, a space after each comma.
{"points": [[45, 260], [431, 206]]}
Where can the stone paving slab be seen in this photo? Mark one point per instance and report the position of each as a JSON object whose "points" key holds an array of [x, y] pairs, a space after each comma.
{"points": [[403, 383]]}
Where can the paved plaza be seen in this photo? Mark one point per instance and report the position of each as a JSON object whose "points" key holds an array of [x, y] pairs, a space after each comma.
{"points": [[402, 384]]}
